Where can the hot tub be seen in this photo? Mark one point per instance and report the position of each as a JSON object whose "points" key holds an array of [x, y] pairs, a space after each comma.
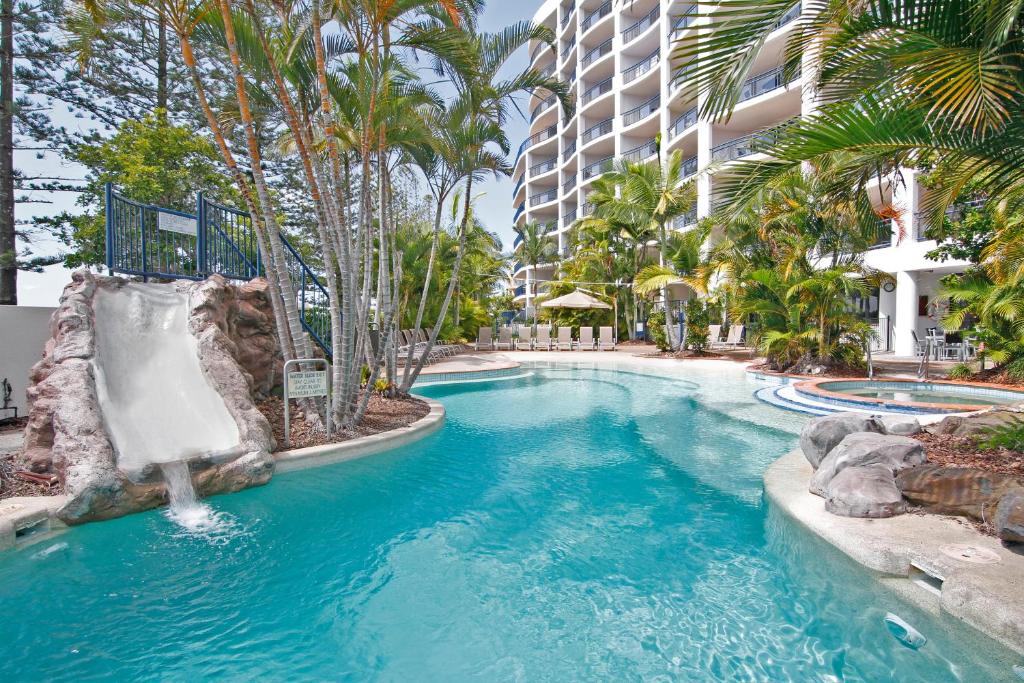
{"points": [[909, 396]]}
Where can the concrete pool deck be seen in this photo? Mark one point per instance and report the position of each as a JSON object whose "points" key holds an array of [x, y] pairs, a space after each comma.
{"points": [[940, 563]]}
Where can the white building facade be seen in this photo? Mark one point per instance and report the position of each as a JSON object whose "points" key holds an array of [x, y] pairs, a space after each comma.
{"points": [[617, 58]]}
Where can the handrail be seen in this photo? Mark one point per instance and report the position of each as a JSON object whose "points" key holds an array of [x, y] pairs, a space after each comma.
{"points": [[683, 121], [637, 114], [595, 53], [689, 166], [570, 149], [684, 21], [595, 16], [640, 68], [637, 154], [597, 130], [633, 32], [567, 15], [596, 90], [542, 106], [544, 197], [597, 167], [544, 166], [569, 184], [764, 82]]}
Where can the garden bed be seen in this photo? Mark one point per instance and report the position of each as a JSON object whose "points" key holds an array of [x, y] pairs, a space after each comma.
{"points": [[382, 415], [964, 451]]}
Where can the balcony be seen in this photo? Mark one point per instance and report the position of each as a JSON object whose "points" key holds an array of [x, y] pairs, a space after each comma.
{"points": [[515, 243], [789, 16], [570, 184], [542, 106], [567, 13], [746, 144], [638, 154], [684, 21], [567, 48], [541, 136], [683, 121], [520, 290], [569, 217], [518, 187], [544, 197], [595, 91], [588, 209], [690, 167], [633, 32], [642, 67], [765, 82], [518, 213], [595, 16], [536, 51], [547, 71], [570, 149], [597, 130], [686, 220], [544, 166], [598, 167], [884, 234], [638, 114], [955, 213], [596, 53]]}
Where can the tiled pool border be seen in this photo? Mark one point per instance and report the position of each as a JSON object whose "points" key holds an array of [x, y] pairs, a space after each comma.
{"points": [[834, 395]]}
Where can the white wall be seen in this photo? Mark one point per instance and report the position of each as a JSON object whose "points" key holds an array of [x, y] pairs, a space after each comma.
{"points": [[23, 333]]}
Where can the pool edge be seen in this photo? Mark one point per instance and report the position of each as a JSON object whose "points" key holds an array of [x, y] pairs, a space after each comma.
{"points": [[989, 598]]}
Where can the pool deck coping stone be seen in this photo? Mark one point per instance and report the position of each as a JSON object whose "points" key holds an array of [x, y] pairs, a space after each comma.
{"points": [[328, 454], [988, 597], [22, 512]]}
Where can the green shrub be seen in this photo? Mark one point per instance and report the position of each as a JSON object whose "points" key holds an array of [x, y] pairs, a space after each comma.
{"points": [[656, 330], [960, 371], [1009, 435], [697, 319], [1015, 369]]}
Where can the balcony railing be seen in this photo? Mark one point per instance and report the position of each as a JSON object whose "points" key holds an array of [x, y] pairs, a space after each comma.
{"points": [[587, 209], [789, 16], [520, 290], [544, 166], [541, 136], [519, 212], [884, 234], [548, 70], [637, 114], [567, 12], [570, 149], [683, 121], [689, 167], [572, 76], [569, 217], [597, 131], [544, 197], [640, 68], [684, 21], [542, 106], [747, 144], [536, 51], [686, 220], [595, 16], [515, 243], [518, 186], [954, 213], [633, 32], [595, 53], [766, 82], [595, 91], [569, 45], [569, 184], [638, 154], [598, 167]]}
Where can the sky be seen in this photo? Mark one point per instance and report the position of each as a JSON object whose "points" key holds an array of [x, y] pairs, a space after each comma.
{"points": [[494, 207]]}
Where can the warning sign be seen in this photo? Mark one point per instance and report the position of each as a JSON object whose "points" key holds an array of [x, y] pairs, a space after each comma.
{"points": [[304, 384]]}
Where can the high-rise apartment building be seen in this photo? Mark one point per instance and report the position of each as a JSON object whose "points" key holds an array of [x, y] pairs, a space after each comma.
{"points": [[617, 58]]}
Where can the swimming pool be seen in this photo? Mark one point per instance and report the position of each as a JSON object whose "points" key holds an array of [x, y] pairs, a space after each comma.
{"points": [[907, 395], [572, 525]]}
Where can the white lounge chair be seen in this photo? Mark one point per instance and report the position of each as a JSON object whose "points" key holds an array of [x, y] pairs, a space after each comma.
{"points": [[542, 342], [504, 339], [714, 335], [564, 339], [605, 341], [586, 342], [525, 340], [484, 339], [735, 338], [447, 350]]}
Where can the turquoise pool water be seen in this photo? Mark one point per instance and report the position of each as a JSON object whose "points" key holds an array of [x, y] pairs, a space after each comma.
{"points": [[573, 525]]}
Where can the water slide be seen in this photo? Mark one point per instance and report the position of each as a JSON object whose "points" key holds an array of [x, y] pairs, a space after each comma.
{"points": [[157, 404]]}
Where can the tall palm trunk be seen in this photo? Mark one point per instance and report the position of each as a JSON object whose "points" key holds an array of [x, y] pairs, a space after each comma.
{"points": [[662, 260], [408, 378]]}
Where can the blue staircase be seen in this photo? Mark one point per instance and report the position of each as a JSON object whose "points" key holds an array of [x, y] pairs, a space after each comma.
{"points": [[151, 241]]}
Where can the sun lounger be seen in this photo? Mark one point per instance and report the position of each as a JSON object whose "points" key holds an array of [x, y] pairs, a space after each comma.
{"points": [[484, 340], [543, 339], [605, 341], [525, 341], [504, 339], [564, 339], [714, 335], [586, 342], [735, 338]]}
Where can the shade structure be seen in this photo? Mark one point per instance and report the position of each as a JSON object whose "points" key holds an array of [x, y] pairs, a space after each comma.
{"points": [[575, 299]]}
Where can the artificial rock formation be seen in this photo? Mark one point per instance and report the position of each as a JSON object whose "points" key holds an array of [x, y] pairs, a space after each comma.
{"points": [[66, 435], [893, 453], [822, 434]]}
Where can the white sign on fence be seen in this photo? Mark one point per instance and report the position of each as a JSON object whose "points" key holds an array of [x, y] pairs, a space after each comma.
{"points": [[172, 222], [304, 384]]}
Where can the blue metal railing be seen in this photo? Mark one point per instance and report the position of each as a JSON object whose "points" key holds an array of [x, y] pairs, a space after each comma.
{"points": [[151, 241]]}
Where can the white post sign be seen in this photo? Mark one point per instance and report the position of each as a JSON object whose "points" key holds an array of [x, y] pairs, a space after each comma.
{"points": [[305, 384], [172, 222]]}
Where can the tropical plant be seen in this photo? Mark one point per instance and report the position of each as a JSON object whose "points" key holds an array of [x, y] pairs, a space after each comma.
{"points": [[535, 247], [1009, 435]]}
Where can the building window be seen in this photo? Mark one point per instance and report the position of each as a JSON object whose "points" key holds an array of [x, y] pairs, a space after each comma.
{"points": [[922, 306]]}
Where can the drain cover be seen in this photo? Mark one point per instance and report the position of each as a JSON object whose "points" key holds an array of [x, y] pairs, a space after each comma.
{"points": [[969, 553]]}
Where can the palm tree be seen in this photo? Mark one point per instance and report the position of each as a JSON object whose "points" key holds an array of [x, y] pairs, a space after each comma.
{"points": [[934, 83], [535, 247]]}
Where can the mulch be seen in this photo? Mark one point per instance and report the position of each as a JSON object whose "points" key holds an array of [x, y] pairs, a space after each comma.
{"points": [[12, 425], [13, 485], [382, 415], [953, 451]]}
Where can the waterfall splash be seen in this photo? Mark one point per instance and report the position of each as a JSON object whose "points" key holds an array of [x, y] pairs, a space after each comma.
{"points": [[184, 509]]}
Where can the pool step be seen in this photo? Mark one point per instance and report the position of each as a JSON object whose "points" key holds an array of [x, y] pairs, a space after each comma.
{"points": [[787, 397], [770, 395]]}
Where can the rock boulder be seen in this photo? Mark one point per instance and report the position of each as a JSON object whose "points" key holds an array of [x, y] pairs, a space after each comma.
{"points": [[1009, 519], [822, 434], [894, 453], [955, 490], [864, 491]]}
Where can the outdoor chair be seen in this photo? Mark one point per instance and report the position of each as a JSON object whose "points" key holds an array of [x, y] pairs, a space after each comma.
{"points": [[542, 342], [564, 339], [484, 339], [735, 338], [605, 341], [586, 342], [446, 350], [525, 340], [504, 339], [919, 346], [714, 335]]}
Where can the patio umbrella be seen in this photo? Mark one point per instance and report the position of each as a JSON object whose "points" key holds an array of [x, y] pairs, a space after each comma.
{"points": [[575, 299]]}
